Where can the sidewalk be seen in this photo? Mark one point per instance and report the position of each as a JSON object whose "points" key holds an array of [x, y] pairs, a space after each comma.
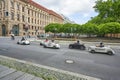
{"points": [[12, 74]]}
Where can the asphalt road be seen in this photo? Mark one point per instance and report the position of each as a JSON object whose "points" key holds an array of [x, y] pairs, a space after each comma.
{"points": [[102, 66]]}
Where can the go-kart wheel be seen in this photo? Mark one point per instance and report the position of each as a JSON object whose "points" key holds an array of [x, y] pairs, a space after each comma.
{"points": [[92, 51], [23, 43], [110, 52], [44, 46], [17, 42], [54, 47], [70, 47], [41, 44]]}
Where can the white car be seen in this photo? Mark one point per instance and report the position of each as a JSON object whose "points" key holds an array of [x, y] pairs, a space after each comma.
{"points": [[51, 45], [107, 49], [24, 42]]}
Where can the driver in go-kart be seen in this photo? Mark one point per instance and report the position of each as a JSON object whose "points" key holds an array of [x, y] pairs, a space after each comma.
{"points": [[78, 42], [52, 42], [22, 39], [101, 44], [46, 40]]}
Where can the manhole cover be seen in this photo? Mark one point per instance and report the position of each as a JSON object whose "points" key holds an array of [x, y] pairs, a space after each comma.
{"points": [[69, 61]]}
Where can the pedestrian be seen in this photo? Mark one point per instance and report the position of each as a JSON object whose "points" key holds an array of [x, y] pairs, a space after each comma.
{"points": [[12, 36]]}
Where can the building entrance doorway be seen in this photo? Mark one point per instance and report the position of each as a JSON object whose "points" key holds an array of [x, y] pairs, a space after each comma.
{"points": [[15, 30], [3, 30]]}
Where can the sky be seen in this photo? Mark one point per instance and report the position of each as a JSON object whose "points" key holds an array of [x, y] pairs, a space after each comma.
{"points": [[79, 11]]}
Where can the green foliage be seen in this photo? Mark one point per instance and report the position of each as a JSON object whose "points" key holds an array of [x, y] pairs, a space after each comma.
{"points": [[53, 27], [108, 11], [111, 28], [90, 28]]}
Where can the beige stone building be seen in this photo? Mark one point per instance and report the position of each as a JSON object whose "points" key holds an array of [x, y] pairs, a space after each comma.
{"points": [[25, 17]]}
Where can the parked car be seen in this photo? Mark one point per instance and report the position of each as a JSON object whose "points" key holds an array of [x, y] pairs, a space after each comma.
{"points": [[51, 44], [23, 42], [97, 49]]}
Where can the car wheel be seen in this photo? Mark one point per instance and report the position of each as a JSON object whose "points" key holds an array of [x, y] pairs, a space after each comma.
{"points": [[110, 52], [41, 44], [70, 47], [92, 51]]}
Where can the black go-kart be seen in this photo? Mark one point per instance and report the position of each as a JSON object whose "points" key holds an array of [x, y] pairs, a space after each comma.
{"points": [[77, 46]]}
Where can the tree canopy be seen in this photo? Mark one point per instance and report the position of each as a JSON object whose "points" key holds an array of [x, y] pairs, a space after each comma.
{"points": [[108, 11]]}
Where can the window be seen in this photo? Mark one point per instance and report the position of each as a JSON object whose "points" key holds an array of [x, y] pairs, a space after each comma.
{"points": [[12, 4], [3, 4], [23, 18], [32, 20], [28, 19], [28, 11], [0, 15], [0, 5], [18, 6], [6, 13], [35, 21], [18, 17], [23, 9], [32, 27], [12, 16], [32, 33], [32, 13]]}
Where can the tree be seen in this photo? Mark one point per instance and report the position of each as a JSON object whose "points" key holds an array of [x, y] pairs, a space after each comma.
{"points": [[109, 28], [53, 27], [108, 11], [90, 29]]}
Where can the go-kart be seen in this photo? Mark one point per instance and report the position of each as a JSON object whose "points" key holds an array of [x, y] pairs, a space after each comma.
{"points": [[97, 49], [24, 42], [77, 46], [51, 45], [42, 42]]}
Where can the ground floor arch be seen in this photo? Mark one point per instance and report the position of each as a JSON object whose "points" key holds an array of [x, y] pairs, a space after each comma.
{"points": [[15, 30], [3, 30]]}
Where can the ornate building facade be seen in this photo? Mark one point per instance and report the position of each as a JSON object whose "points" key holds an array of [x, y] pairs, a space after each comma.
{"points": [[23, 17]]}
